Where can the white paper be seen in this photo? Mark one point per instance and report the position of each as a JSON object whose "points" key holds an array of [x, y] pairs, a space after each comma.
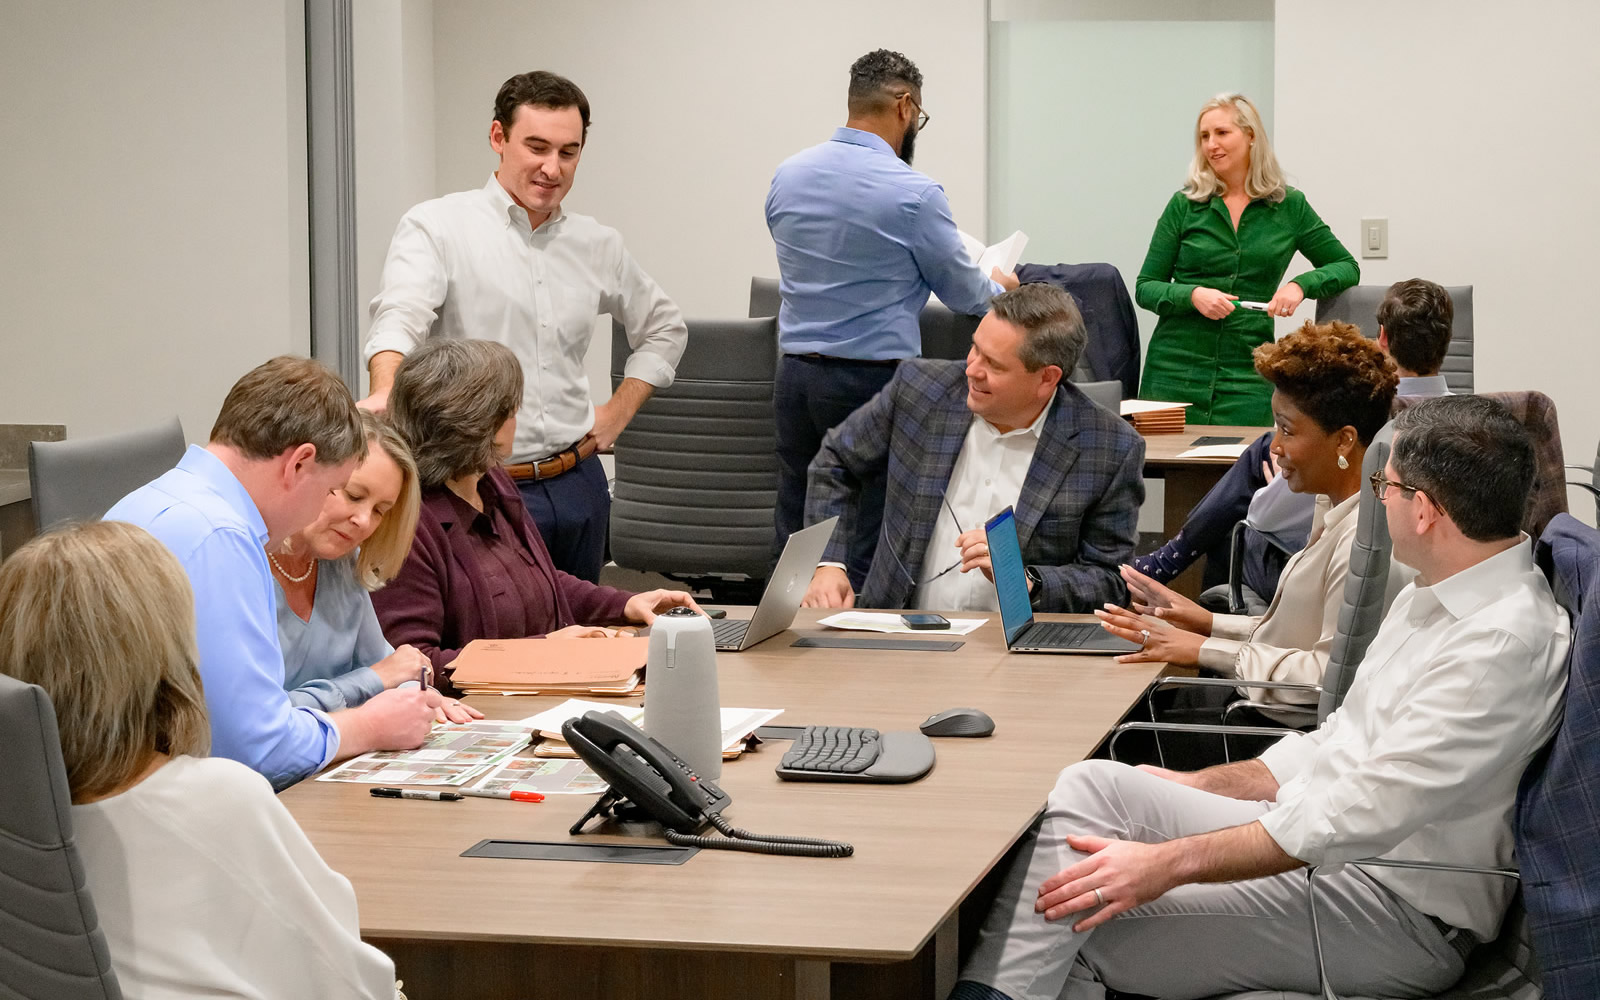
{"points": [[870, 621], [1216, 451], [1003, 255], [737, 723], [1132, 406]]}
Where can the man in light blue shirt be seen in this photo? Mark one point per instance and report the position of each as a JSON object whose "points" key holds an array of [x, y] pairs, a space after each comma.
{"points": [[288, 433], [862, 238]]}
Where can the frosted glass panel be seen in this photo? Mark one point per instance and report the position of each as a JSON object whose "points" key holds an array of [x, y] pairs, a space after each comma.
{"points": [[1091, 126]]}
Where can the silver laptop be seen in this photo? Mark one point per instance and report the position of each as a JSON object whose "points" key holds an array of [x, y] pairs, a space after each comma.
{"points": [[1023, 634], [785, 590]]}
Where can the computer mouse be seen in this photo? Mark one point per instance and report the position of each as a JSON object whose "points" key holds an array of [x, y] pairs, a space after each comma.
{"points": [[958, 722]]}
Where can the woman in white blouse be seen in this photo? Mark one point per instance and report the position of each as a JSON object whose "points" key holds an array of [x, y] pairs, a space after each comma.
{"points": [[204, 885], [1332, 392]]}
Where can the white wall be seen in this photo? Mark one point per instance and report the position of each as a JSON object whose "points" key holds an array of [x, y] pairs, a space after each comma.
{"points": [[154, 198], [1474, 127]]}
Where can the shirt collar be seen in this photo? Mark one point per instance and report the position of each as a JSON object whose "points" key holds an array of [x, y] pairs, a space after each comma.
{"points": [[516, 215], [857, 137], [1423, 385], [1463, 593], [211, 470], [1033, 430]]}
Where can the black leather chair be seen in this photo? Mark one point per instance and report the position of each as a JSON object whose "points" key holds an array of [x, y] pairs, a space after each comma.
{"points": [[81, 479]]}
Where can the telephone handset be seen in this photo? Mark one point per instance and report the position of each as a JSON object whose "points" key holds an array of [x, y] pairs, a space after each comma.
{"points": [[643, 773]]}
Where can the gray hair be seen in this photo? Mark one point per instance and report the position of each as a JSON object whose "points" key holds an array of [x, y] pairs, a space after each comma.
{"points": [[448, 400], [1052, 327]]}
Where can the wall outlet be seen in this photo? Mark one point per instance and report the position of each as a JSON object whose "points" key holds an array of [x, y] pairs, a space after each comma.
{"points": [[1374, 238]]}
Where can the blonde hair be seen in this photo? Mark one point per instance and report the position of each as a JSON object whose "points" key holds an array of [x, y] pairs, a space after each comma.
{"points": [[101, 616], [385, 552], [1265, 177]]}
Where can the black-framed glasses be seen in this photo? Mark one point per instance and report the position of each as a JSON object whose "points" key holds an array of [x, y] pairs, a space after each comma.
{"points": [[1381, 486], [922, 116]]}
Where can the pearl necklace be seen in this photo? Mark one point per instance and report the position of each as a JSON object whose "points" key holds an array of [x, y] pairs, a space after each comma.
{"points": [[302, 578]]}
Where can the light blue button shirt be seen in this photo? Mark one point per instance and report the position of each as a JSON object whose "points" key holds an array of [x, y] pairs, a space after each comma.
{"points": [[861, 240], [327, 661], [202, 513]]}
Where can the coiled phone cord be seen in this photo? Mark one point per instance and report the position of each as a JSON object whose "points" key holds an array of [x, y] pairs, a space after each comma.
{"points": [[735, 839]]}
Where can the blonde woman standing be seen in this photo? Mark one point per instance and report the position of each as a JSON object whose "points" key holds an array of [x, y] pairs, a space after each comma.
{"points": [[1227, 238]]}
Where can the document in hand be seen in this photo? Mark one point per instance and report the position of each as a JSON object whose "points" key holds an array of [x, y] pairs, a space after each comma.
{"points": [[1003, 255], [552, 666]]}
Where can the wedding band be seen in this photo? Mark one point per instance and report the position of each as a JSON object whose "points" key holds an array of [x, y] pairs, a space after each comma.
{"points": [[1146, 633], [1099, 898]]}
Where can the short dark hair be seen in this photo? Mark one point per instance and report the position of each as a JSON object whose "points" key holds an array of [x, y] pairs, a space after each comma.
{"points": [[1472, 458], [878, 77], [290, 401], [1052, 327], [448, 401], [541, 89], [1417, 315], [1336, 376]]}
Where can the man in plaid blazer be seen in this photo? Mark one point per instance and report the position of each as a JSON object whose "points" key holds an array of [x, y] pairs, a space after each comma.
{"points": [[962, 442]]}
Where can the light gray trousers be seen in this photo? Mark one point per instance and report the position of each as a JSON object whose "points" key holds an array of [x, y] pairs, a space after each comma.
{"points": [[1198, 940]]}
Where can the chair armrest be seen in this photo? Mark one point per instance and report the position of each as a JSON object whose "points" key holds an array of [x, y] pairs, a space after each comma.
{"points": [[1175, 680], [1283, 708], [1186, 727]]}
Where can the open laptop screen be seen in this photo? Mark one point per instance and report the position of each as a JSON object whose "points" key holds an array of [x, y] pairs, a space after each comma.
{"points": [[1010, 580]]}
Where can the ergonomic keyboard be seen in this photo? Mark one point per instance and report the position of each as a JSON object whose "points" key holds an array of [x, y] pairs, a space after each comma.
{"points": [[845, 753], [729, 632]]}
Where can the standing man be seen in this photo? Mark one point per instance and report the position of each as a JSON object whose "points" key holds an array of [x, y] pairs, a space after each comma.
{"points": [[862, 238], [506, 263]]}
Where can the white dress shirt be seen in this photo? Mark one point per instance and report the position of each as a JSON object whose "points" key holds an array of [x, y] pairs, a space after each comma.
{"points": [[987, 478], [206, 887], [1459, 689], [469, 265]]}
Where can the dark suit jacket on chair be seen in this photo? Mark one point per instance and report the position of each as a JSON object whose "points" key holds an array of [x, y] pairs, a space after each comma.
{"points": [[1077, 515]]}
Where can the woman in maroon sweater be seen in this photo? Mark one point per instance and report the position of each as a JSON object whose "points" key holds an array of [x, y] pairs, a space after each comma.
{"points": [[478, 568]]}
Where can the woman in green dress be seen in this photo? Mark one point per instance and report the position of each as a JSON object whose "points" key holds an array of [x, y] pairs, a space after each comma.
{"points": [[1225, 239]]}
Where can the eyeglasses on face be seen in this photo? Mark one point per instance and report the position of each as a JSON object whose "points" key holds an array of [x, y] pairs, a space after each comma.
{"points": [[1381, 486]]}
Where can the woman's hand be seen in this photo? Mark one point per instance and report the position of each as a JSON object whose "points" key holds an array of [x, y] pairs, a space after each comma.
{"points": [[449, 709], [1159, 641], [1149, 597], [1286, 301], [404, 664], [1211, 303], [582, 632], [644, 607]]}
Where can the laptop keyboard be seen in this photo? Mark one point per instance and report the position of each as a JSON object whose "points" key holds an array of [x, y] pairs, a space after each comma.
{"points": [[729, 632], [1058, 635]]}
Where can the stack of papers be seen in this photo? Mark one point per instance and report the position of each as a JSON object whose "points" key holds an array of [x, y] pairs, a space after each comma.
{"points": [[547, 777], [605, 667], [453, 754], [737, 725], [873, 621], [1152, 417]]}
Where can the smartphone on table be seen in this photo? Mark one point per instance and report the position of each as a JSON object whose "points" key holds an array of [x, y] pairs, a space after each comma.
{"points": [[925, 621]]}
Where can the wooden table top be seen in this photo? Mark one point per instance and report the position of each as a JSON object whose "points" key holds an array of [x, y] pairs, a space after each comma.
{"points": [[920, 847], [1162, 450]]}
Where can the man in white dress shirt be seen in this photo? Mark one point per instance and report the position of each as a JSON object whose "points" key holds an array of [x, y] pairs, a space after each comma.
{"points": [[506, 263], [1185, 884]]}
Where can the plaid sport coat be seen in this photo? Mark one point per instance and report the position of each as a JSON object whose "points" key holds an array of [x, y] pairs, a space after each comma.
{"points": [[1076, 517]]}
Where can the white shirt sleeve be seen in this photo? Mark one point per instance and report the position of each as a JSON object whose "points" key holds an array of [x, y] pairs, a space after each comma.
{"points": [[654, 324], [410, 291]]}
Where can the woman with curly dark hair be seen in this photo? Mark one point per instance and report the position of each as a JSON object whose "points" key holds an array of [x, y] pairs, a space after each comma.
{"points": [[1332, 392]]}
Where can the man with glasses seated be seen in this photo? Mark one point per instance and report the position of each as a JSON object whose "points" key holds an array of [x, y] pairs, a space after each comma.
{"points": [[1185, 884], [958, 443], [861, 239]]}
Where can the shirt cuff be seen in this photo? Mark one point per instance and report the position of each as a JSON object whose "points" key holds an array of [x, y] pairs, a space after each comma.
{"points": [[1221, 655], [1287, 828], [1288, 757], [647, 367], [379, 341], [366, 683], [330, 740], [1234, 626], [834, 565]]}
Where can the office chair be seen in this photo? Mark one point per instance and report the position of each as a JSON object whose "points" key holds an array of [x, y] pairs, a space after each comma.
{"points": [[1358, 305], [697, 468], [1589, 484], [54, 946], [1107, 393], [81, 479], [764, 297], [1537, 414]]}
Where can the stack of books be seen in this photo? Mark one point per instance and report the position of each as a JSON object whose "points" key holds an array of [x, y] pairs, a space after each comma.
{"points": [[589, 667], [1153, 417]]}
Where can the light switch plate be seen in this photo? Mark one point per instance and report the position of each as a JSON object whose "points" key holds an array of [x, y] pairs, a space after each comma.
{"points": [[1374, 238]]}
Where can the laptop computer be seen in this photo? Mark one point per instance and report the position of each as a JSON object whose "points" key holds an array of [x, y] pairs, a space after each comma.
{"points": [[1023, 634], [786, 588]]}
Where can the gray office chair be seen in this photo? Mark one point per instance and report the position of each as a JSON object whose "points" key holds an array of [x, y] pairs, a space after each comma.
{"points": [[1108, 393], [764, 297], [81, 479], [53, 943], [1359, 305], [696, 475]]}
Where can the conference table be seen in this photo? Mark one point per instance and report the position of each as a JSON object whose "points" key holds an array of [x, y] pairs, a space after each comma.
{"points": [[1189, 479], [888, 921]]}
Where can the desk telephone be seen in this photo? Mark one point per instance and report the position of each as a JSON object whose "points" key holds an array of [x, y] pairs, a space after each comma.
{"points": [[644, 776]]}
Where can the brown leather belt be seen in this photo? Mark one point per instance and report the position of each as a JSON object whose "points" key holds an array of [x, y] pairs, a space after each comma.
{"points": [[555, 465]]}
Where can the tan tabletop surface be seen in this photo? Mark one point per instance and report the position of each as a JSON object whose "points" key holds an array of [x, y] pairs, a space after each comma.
{"points": [[920, 847]]}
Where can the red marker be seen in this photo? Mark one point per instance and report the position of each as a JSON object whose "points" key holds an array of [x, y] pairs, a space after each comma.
{"points": [[513, 796]]}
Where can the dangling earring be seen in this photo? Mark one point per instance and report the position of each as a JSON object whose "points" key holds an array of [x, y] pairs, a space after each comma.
{"points": [[1344, 463]]}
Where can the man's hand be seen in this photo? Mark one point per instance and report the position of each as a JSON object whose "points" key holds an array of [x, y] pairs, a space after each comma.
{"points": [[612, 416], [404, 664], [1005, 279], [1128, 874], [830, 588], [644, 607], [1211, 303], [974, 546]]}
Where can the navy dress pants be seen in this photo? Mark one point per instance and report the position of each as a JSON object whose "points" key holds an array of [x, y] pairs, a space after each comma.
{"points": [[573, 512]]}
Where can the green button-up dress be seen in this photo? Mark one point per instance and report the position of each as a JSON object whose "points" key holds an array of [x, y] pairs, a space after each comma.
{"points": [[1207, 362]]}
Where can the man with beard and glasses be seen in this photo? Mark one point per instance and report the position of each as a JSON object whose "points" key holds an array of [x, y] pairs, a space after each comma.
{"points": [[862, 238]]}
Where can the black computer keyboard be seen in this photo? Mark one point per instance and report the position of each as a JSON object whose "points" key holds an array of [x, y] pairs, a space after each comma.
{"points": [[728, 632], [1059, 634], [833, 750]]}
